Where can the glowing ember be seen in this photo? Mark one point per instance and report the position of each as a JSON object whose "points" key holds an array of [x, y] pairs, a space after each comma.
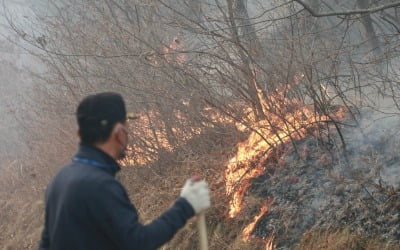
{"points": [[249, 229]]}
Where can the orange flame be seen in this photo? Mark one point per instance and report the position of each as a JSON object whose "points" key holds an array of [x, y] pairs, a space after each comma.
{"points": [[148, 134], [288, 119], [249, 229], [238, 176], [285, 119], [270, 243]]}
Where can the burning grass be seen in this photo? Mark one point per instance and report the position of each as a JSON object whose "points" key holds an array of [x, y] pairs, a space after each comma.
{"points": [[153, 187], [287, 192], [285, 120], [318, 189], [295, 183]]}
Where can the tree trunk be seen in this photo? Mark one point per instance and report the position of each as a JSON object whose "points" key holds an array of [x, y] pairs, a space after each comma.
{"points": [[370, 33], [246, 28], [237, 10]]}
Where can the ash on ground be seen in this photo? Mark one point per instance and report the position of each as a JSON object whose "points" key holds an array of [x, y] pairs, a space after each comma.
{"points": [[318, 188]]}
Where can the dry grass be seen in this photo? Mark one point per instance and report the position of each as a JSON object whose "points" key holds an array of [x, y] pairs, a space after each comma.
{"points": [[25, 229], [343, 239], [21, 213], [22, 188], [152, 190]]}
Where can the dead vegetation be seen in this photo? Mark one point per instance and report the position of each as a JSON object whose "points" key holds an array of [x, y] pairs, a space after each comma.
{"points": [[207, 78], [343, 239], [289, 178]]}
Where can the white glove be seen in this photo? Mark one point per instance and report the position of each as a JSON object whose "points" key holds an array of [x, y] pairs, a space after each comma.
{"points": [[197, 194]]}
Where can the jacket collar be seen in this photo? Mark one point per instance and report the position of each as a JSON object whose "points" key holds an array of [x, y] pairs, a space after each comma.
{"points": [[97, 156]]}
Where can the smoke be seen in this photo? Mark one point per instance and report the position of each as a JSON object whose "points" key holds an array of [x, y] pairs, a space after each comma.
{"points": [[374, 147], [16, 65]]}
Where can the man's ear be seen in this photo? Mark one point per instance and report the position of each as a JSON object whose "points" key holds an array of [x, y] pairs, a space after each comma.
{"points": [[118, 127], [116, 132]]}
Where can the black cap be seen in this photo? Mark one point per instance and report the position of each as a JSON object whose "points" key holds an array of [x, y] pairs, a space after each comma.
{"points": [[101, 110]]}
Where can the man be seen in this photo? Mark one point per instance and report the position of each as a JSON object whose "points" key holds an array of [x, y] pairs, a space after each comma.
{"points": [[87, 208]]}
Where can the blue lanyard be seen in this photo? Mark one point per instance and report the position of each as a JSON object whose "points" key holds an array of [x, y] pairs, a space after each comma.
{"points": [[92, 163]]}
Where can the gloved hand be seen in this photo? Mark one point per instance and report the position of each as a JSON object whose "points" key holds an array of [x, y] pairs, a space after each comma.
{"points": [[197, 194]]}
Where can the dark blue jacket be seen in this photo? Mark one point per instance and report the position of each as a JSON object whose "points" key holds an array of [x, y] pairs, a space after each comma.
{"points": [[87, 208]]}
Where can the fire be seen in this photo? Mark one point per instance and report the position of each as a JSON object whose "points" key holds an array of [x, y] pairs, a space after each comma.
{"points": [[148, 134], [249, 229], [285, 119], [239, 173], [270, 243]]}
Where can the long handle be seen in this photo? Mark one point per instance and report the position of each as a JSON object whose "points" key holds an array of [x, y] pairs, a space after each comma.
{"points": [[201, 225]]}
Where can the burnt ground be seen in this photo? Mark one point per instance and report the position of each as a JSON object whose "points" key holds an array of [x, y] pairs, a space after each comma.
{"points": [[317, 188]]}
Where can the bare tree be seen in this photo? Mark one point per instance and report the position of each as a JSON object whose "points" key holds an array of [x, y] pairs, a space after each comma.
{"points": [[250, 61]]}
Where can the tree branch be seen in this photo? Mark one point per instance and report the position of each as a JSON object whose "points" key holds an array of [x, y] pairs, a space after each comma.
{"points": [[349, 12]]}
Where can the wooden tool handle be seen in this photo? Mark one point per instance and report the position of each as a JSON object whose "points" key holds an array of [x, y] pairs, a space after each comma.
{"points": [[201, 225]]}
